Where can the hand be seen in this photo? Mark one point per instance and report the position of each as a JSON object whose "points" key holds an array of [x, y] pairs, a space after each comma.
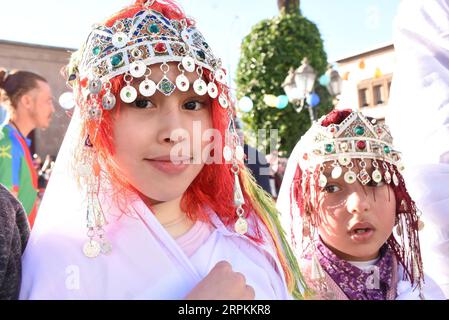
{"points": [[222, 283]]}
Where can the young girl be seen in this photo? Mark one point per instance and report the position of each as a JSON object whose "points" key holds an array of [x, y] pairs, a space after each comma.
{"points": [[343, 182], [140, 204]]}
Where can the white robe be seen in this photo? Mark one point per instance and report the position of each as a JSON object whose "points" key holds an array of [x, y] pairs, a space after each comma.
{"points": [[419, 121]]}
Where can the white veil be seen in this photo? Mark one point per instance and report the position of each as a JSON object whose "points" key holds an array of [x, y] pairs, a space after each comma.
{"points": [[419, 120]]}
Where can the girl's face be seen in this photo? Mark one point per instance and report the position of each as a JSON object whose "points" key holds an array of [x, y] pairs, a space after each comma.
{"points": [[356, 220], [158, 140]]}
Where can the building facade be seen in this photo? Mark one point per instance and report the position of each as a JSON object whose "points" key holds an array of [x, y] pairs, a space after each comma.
{"points": [[367, 79]]}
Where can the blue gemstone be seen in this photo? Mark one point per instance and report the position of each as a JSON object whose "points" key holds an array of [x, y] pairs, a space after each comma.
{"points": [[116, 60]]}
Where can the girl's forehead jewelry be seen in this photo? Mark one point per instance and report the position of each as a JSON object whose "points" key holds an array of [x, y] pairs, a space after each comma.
{"points": [[133, 44], [352, 145]]}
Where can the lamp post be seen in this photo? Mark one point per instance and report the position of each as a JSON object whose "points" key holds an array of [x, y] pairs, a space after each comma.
{"points": [[298, 85]]}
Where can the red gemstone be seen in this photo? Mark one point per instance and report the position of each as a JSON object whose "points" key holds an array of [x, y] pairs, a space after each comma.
{"points": [[160, 47], [83, 82], [361, 145], [305, 156]]}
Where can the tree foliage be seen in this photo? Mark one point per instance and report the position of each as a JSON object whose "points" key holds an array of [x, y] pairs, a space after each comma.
{"points": [[267, 53]]}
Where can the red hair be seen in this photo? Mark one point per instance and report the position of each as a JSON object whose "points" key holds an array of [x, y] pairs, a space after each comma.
{"points": [[405, 207]]}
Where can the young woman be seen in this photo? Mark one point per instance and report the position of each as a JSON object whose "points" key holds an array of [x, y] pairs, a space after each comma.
{"points": [[342, 196], [149, 197]]}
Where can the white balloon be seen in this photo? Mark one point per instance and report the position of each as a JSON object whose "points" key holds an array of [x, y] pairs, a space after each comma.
{"points": [[67, 101], [246, 104]]}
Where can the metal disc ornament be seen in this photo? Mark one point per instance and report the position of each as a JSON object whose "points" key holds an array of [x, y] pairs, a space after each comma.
{"points": [[128, 94], [137, 69], [322, 182], [182, 83], [224, 103], [188, 63], [239, 153], [387, 177], [241, 226], [350, 177], [395, 179], [92, 249], [147, 88], [212, 90], [220, 76], [106, 247], [377, 176], [227, 153], [108, 102], [95, 86], [336, 172], [200, 87]]}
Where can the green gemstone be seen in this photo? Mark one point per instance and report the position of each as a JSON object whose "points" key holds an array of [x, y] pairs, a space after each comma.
{"points": [[387, 149], [96, 51], [128, 94], [359, 131], [154, 28], [116, 60], [329, 148]]}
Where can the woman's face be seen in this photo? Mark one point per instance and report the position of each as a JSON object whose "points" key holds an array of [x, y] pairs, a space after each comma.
{"points": [[356, 220], [158, 140]]}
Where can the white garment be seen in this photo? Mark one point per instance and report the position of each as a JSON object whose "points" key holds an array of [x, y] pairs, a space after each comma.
{"points": [[364, 265], [145, 262], [419, 121]]}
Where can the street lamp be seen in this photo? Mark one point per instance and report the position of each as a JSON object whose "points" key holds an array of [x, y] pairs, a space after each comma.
{"points": [[299, 84], [335, 84]]}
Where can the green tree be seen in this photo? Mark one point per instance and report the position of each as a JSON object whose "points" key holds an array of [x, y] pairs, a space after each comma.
{"points": [[267, 53]]}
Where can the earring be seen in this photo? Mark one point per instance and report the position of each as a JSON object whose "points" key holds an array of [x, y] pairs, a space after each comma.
{"points": [[97, 242]]}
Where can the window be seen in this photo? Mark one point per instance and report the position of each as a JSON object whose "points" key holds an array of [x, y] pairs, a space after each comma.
{"points": [[363, 98], [374, 92], [377, 91]]}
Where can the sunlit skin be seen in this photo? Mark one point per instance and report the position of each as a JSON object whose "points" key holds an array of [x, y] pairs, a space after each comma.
{"points": [[34, 109], [345, 208], [144, 141], [43, 107]]}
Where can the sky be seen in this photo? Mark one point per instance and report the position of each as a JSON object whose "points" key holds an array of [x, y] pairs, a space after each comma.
{"points": [[347, 26]]}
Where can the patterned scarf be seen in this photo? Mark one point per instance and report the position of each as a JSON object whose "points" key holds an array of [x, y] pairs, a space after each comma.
{"points": [[357, 284]]}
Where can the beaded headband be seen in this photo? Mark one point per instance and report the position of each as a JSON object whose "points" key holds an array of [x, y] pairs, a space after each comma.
{"points": [[354, 138], [131, 45]]}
